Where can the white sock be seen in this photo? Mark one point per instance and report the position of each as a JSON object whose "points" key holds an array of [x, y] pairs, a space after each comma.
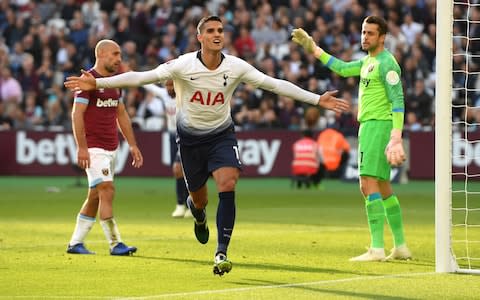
{"points": [[82, 228], [111, 232]]}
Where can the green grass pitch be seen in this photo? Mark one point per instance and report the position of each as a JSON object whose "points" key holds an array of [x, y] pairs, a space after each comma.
{"points": [[287, 244]]}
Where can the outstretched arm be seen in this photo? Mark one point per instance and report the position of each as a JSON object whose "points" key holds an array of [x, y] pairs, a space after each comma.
{"points": [[87, 82], [286, 88], [342, 68]]}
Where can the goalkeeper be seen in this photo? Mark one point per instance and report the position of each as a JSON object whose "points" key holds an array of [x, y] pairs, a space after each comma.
{"points": [[380, 113]]}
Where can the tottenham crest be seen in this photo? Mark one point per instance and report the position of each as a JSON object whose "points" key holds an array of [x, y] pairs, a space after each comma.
{"points": [[105, 172]]}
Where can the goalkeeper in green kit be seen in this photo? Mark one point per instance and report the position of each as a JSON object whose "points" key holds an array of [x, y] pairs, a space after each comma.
{"points": [[380, 146]]}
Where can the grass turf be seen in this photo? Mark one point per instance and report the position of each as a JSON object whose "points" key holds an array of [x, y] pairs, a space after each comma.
{"points": [[286, 243]]}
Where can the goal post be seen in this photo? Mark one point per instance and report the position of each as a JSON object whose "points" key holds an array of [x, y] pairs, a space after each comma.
{"points": [[444, 261], [457, 202]]}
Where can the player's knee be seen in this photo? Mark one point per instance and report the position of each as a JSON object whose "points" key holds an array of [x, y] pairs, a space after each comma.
{"points": [[177, 170], [106, 189], [200, 202], [228, 184]]}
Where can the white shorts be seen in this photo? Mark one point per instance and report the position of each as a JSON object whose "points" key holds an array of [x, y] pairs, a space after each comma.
{"points": [[102, 166]]}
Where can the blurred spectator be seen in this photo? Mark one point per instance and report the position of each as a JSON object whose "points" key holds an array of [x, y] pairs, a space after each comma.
{"points": [[306, 160], [10, 88], [411, 122], [420, 101], [334, 153], [410, 28], [6, 123], [244, 43], [33, 112]]}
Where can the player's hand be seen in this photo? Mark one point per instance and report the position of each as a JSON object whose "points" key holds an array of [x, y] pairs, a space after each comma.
{"points": [[137, 161], [394, 151], [329, 101], [86, 82], [302, 38], [83, 158]]}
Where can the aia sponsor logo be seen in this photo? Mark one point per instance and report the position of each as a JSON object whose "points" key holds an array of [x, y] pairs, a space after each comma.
{"points": [[208, 98]]}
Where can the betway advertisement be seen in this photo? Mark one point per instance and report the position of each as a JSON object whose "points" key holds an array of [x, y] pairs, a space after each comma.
{"points": [[465, 155], [263, 153]]}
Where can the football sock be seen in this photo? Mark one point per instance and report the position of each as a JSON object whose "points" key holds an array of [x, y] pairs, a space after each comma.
{"points": [[82, 228], [393, 213], [376, 219], [181, 189], [225, 220], [198, 214], [111, 231]]}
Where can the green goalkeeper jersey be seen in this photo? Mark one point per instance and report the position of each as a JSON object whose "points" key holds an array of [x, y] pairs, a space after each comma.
{"points": [[380, 88]]}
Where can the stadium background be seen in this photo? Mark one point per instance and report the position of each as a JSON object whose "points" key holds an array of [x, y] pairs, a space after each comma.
{"points": [[45, 41]]}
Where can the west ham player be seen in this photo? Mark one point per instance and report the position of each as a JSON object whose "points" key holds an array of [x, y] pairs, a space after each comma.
{"points": [[380, 113], [204, 83], [95, 116]]}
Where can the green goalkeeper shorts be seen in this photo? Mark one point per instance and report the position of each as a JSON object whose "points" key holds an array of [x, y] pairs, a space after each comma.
{"points": [[373, 138]]}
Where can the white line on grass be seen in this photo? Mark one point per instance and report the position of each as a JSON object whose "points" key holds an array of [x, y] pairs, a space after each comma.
{"points": [[246, 289], [275, 286]]}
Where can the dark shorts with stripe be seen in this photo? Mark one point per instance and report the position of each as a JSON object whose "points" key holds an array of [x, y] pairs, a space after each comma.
{"points": [[199, 161], [174, 153]]}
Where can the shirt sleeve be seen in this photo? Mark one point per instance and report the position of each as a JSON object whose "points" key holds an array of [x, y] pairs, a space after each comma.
{"points": [[342, 68], [390, 75], [81, 97], [133, 79], [278, 86]]}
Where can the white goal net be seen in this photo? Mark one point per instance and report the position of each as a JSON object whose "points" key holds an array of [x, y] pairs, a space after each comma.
{"points": [[457, 143]]}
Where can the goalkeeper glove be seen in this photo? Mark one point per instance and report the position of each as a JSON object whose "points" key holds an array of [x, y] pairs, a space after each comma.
{"points": [[394, 151], [302, 38]]}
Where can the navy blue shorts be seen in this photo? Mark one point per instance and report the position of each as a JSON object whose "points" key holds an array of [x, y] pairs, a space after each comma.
{"points": [[200, 161], [174, 153]]}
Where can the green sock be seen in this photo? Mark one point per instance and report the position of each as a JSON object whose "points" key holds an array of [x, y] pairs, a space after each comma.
{"points": [[376, 220], [394, 218]]}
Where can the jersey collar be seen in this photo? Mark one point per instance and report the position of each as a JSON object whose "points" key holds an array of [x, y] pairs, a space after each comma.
{"points": [[199, 56]]}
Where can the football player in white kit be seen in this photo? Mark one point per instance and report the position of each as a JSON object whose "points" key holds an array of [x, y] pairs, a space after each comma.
{"points": [[204, 83], [167, 95]]}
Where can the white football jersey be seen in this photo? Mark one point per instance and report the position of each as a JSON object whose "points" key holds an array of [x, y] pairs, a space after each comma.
{"points": [[203, 96], [168, 102]]}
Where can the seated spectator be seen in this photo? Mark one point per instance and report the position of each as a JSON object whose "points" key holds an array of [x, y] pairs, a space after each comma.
{"points": [[10, 88], [334, 151], [306, 159]]}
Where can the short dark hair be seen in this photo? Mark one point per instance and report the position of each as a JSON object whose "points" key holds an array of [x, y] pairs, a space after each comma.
{"points": [[205, 20], [307, 133], [382, 24]]}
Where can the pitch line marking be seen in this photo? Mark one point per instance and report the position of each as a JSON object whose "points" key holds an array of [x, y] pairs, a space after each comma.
{"points": [[285, 285], [246, 289]]}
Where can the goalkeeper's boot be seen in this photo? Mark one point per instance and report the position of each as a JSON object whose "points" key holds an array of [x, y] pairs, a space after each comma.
{"points": [[78, 249], [221, 264], [122, 249], [402, 253], [372, 254], [201, 231]]}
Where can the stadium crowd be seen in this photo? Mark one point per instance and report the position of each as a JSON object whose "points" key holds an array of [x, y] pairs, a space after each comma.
{"points": [[44, 41]]}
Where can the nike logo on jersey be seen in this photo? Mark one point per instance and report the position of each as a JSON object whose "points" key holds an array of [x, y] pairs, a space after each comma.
{"points": [[194, 78]]}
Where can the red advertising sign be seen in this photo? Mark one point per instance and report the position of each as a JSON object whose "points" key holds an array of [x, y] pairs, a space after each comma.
{"points": [[263, 153]]}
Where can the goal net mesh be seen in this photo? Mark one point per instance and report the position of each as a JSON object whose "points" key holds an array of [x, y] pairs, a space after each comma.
{"points": [[465, 214]]}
